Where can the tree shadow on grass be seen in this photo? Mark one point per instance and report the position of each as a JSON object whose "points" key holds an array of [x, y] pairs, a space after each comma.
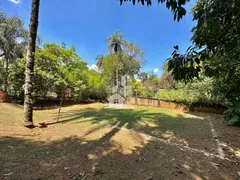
{"points": [[73, 158], [192, 130], [168, 125]]}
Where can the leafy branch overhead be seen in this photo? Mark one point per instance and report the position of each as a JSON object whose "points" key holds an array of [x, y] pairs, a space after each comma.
{"points": [[184, 66], [215, 51], [176, 6]]}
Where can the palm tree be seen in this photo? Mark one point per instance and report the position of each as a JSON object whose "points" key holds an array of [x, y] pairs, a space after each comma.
{"points": [[29, 73], [100, 59], [13, 38], [116, 42]]}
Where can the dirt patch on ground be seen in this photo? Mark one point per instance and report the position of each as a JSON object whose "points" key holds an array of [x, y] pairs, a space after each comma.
{"points": [[86, 145]]}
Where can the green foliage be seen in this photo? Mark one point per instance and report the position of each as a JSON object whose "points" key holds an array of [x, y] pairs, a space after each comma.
{"points": [[60, 68], [143, 76], [116, 42], [232, 115], [146, 84], [113, 65], [184, 67], [136, 87], [13, 38], [176, 6], [96, 85], [151, 85], [215, 51], [217, 25], [57, 68], [2, 76], [16, 80], [200, 91], [166, 81], [176, 95], [11, 32], [126, 59]]}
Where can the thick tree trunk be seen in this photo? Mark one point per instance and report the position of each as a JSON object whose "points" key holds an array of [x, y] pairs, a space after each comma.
{"points": [[29, 72]]}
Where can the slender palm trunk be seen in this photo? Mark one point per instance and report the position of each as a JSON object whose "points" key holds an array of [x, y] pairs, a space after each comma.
{"points": [[29, 72], [60, 106], [117, 77]]}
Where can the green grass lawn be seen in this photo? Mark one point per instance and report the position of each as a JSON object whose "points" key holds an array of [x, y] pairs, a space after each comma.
{"points": [[84, 136], [164, 123]]}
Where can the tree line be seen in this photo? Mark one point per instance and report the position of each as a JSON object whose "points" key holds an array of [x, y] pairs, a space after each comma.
{"points": [[59, 67], [176, 7], [213, 58]]}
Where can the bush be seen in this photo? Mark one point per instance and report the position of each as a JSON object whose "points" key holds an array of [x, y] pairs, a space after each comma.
{"points": [[176, 95], [232, 115], [198, 92]]}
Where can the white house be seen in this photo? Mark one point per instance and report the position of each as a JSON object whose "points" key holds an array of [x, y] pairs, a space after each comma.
{"points": [[119, 92], [117, 98]]}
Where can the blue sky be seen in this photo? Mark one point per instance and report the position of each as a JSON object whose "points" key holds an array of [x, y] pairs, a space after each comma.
{"points": [[87, 24]]}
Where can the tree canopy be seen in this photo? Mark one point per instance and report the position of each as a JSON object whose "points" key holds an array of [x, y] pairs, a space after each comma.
{"points": [[13, 39], [126, 59], [176, 6], [215, 50], [116, 42], [57, 68]]}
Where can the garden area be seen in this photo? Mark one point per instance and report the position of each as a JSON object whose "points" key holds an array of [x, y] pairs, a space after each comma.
{"points": [[81, 100], [95, 142]]}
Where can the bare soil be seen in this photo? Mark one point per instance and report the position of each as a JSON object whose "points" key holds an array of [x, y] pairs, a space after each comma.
{"points": [[85, 145]]}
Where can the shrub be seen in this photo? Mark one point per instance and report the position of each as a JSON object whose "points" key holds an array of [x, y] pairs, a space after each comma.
{"points": [[232, 115], [197, 92]]}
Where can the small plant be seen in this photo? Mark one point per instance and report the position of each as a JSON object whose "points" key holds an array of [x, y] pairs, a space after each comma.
{"points": [[232, 115]]}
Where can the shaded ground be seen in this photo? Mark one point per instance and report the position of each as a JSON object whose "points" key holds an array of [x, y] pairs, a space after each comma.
{"points": [[83, 145]]}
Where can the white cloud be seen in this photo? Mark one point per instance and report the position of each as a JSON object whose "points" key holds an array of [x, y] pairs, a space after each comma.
{"points": [[155, 70], [94, 67], [15, 1]]}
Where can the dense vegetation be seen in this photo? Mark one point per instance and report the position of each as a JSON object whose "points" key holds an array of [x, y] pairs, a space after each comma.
{"points": [[215, 52], [207, 74], [58, 67]]}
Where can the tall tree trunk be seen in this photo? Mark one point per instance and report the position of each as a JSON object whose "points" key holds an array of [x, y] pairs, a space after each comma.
{"points": [[29, 72]]}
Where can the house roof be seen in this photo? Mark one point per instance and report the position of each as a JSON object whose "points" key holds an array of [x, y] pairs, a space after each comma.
{"points": [[118, 94]]}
